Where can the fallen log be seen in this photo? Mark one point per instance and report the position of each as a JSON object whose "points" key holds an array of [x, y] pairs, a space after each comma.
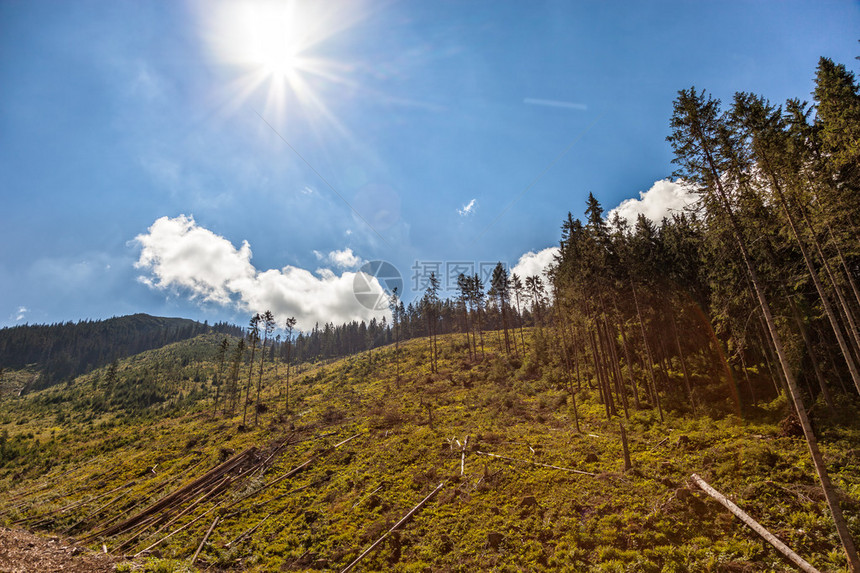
{"points": [[95, 512], [754, 525], [291, 473], [225, 482], [47, 515], [403, 520], [205, 537], [175, 531], [203, 482]]}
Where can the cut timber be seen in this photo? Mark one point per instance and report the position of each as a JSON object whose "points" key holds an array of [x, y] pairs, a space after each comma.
{"points": [[292, 472], [756, 526], [403, 520], [205, 537], [202, 483], [536, 463], [175, 531]]}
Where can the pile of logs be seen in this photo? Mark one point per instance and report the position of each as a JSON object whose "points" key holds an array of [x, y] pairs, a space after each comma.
{"points": [[205, 487]]}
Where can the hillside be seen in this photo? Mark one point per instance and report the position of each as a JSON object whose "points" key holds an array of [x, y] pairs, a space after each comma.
{"points": [[54, 353], [519, 488]]}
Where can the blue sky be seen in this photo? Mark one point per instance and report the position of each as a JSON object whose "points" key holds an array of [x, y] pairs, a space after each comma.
{"points": [[211, 159]]}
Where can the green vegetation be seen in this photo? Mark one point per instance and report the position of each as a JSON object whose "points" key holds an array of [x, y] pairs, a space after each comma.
{"points": [[69, 466]]}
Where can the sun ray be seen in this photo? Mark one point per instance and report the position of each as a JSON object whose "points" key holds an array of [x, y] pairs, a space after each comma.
{"points": [[271, 44]]}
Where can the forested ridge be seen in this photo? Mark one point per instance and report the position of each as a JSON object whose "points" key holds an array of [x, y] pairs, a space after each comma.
{"points": [[64, 350]]}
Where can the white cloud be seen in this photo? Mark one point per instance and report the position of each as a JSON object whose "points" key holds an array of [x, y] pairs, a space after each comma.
{"points": [[344, 259], [535, 263], [22, 311], [179, 254], [657, 202], [468, 209]]}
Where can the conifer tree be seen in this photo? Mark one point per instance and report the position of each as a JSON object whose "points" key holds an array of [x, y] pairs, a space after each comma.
{"points": [[254, 337], [289, 324], [537, 294], [706, 150], [430, 306], [477, 294], [268, 321], [394, 305], [518, 289], [500, 289], [219, 376], [761, 127], [464, 298], [233, 384]]}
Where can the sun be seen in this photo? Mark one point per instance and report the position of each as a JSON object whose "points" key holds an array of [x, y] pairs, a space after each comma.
{"points": [[262, 36], [270, 46], [271, 38]]}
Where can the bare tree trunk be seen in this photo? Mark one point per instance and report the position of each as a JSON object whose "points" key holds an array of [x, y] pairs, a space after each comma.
{"points": [[604, 364], [616, 367], [769, 356], [655, 395], [289, 348], [747, 377], [629, 364], [260, 381], [248, 385], [683, 362], [845, 266], [824, 390], [846, 309], [598, 374], [467, 329], [825, 302]]}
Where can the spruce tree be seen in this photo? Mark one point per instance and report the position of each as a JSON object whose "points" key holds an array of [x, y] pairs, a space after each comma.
{"points": [[705, 149]]}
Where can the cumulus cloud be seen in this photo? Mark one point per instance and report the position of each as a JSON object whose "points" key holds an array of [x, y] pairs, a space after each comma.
{"points": [[468, 208], [179, 254], [535, 263], [657, 202], [344, 259]]}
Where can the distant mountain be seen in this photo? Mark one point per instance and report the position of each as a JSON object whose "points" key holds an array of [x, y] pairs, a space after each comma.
{"points": [[65, 350]]}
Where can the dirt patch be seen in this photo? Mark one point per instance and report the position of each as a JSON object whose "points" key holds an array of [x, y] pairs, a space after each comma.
{"points": [[24, 552]]}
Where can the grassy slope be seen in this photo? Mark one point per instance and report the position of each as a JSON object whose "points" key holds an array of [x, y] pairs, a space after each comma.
{"points": [[647, 519]]}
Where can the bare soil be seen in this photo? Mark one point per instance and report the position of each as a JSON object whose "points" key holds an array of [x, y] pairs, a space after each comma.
{"points": [[25, 552]]}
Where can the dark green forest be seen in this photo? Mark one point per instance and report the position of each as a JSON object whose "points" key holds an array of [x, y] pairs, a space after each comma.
{"points": [[62, 351]]}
